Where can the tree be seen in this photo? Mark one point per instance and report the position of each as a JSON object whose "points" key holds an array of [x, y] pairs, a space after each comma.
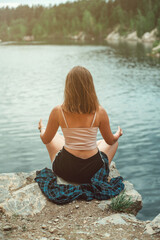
{"points": [[17, 29], [88, 22]]}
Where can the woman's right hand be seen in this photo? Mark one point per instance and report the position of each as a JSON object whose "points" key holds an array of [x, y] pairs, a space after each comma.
{"points": [[119, 131]]}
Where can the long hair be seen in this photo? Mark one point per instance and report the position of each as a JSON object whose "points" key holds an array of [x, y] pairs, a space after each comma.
{"points": [[79, 93]]}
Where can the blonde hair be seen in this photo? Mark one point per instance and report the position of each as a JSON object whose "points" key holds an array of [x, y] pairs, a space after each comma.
{"points": [[79, 93]]}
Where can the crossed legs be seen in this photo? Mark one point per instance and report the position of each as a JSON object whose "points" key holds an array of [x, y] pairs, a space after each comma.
{"points": [[109, 150], [55, 146]]}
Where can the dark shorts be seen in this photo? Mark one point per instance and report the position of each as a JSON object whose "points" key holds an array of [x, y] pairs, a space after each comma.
{"points": [[75, 169]]}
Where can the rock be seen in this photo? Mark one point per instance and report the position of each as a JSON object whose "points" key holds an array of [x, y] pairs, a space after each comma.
{"points": [[28, 38], [53, 230], [18, 191], [150, 36], [132, 37], [56, 220], [129, 190], [44, 226], [7, 228], [135, 197], [130, 218], [10, 182], [103, 205], [113, 36], [25, 201], [148, 230], [147, 37], [154, 226], [155, 49], [49, 222], [114, 219], [80, 36], [155, 52], [107, 235], [113, 170]]}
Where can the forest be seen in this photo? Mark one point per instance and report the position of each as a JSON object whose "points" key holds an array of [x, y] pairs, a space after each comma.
{"points": [[96, 18]]}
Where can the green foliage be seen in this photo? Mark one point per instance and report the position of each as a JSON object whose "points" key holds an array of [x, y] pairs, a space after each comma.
{"points": [[156, 43], [17, 29], [88, 22], [140, 24], [158, 26], [95, 17], [4, 32], [121, 203], [145, 23]]}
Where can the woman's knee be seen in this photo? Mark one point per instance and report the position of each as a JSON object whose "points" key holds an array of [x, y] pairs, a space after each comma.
{"points": [[111, 151], [116, 144]]}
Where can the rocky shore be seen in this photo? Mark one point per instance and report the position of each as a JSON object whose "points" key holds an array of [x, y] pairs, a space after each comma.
{"points": [[148, 37], [25, 213]]}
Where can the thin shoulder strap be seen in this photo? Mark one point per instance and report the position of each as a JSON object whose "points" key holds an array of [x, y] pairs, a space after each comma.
{"points": [[93, 119], [64, 117]]}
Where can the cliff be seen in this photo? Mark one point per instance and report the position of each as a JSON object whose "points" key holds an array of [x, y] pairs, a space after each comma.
{"points": [[25, 213]]}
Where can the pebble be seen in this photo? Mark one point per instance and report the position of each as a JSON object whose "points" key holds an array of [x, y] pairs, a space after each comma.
{"points": [[77, 206], [52, 230], [106, 235], [56, 220], [7, 228], [44, 226], [49, 222], [121, 229]]}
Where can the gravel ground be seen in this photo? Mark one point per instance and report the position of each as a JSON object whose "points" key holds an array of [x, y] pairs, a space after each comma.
{"points": [[75, 221]]}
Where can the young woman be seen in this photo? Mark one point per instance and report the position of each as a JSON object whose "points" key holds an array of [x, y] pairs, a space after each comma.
{"points": [[77, 156]]}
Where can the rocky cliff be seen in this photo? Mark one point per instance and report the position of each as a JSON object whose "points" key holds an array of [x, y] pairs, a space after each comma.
{"points": [[25, 213]]}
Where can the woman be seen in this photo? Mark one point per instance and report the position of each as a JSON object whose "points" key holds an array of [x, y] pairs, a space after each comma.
{"points": [[77, 156]]}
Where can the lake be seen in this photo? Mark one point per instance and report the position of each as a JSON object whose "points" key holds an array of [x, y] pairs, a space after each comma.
{"points": [[127, 82]]}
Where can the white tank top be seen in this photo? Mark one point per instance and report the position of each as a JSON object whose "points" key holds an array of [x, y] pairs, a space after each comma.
{"points": [[80, 138]]}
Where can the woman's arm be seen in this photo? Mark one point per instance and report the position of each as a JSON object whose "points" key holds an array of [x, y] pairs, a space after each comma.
{"points": [[105, 128], [52, 126]]}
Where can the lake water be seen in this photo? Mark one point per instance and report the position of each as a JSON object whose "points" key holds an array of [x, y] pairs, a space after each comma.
{"points": [[128, 86]]}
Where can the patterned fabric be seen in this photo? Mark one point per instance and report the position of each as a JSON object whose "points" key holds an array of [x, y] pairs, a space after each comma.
{"points": [[99, 188]]}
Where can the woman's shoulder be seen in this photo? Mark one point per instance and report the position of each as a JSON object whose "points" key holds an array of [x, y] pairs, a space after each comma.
{"points": [[101, 110], [56, 110], [102, 113]]}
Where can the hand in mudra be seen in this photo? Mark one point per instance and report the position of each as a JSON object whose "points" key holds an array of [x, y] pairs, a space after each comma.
{"points": [[120, 132], [40, 125]]}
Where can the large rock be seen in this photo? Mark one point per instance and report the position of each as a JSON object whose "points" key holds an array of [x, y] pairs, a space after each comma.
{"points": [[20, 195], [129, 191], [150, 36], [113, 36], [132, 37], [154, 226], [118, 219], [10, 182]]}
